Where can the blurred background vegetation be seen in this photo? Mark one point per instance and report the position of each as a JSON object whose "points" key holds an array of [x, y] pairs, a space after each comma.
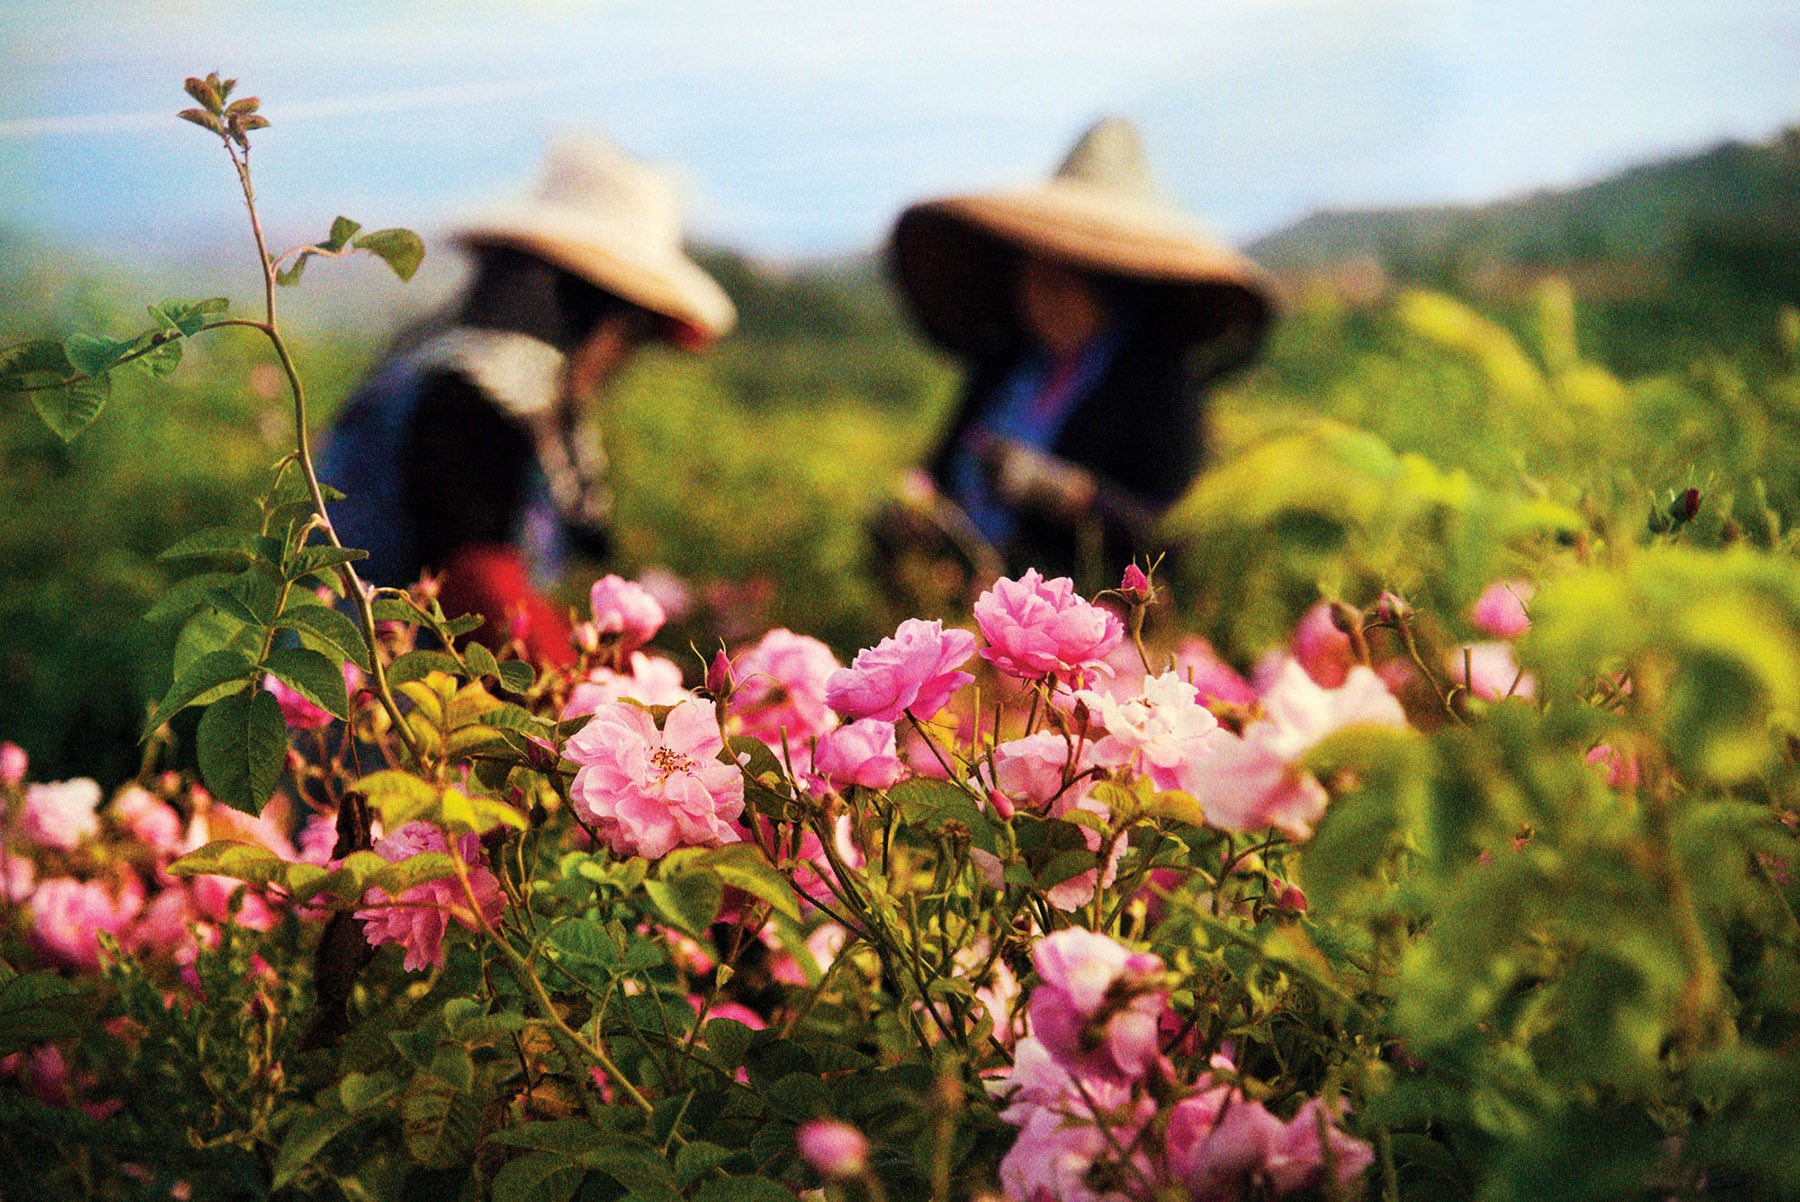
{"points": [[1448, 388]]}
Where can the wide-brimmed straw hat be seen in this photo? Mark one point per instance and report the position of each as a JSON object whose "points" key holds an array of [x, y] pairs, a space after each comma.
{"points": [[615, 222], [956, 258]]}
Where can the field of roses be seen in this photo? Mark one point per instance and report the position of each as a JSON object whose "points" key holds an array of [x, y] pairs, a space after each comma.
{"points": [[1424, 830]]}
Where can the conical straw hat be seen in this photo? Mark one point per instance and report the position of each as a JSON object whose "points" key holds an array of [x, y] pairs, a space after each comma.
{"points": [[616, 223], [955, 257]]}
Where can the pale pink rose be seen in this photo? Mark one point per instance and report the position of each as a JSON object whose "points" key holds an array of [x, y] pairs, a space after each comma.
{"points": [[626, 611], [67, 917], [1164, 734], [1037, 628], [318, 839], [669, 591], [152, 822], [18, 876], [418, 918], [1321, 648], [1219, 1143], [781, 688], [1040, 771], [1213, 679], [1622, 771], [1500, 610], [1096, 1005], [1297, 1161], [14, 763], [836, 1151], [653, 680], [1491, 671], [859, 753], [161, 927], [217, 898], [1256, 781], [648, 791], [61, 814], [1078, 891], [211, 822], [913, 671], [1066, 1130]]}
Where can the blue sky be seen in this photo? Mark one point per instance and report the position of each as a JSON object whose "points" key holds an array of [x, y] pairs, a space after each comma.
{"points": [[802, 126]]}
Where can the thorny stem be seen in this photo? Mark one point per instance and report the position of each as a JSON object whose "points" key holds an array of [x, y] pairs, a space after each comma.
{"points": [[353, 585]]}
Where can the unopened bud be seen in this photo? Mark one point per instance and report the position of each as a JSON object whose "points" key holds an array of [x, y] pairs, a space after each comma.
{"points": [[836, 1151], [1136, 586], [718, 675], [586, 637], [1393, 607], [1002, 804], [1290, 897], [1685, 505], [13, 764]]}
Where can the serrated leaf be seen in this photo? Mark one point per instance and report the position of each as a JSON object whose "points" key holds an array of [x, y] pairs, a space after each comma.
{"points": [[215, 542], [743, 1189], [401, 249], [251, 597], [313, 676], [41, 1006], [440, 1125], [342, 230], [417, 665], [696, 1158], [568, 1138], [205, 674], [329, 627], [94, 356], [516, 675], [242, 747], [741, 865], [690, 903], [72, 408], [400, 875], [394, 609], [306, 1137], [159, 362], [249, 862], [480, 660], [361, 1091], [40, 357], [189, 317], [184, 596], [537, 1177], [310, 560]]}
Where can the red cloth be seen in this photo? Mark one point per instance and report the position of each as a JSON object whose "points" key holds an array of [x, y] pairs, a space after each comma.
{"points": [[490, 579]]}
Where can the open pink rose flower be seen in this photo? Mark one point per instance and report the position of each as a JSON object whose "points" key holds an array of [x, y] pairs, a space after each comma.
{"points": [[648, 791], [914, 671], [63, 813], [418, 918], [1321, 648], [1037, 628], [152, 822], [1256, 781], [1490, 671], [652, 680], [1164, 734], [67, 917], [781, 688], [859, 753], [626, 611], [1500, 610], [1096, 1005]]}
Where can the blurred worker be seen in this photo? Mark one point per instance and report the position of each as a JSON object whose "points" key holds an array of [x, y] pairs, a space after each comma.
{"points": [[466, 454], [1090, 314]]}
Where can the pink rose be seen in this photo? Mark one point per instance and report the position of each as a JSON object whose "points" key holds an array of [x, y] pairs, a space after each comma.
{"points": [[1136, 586], [1255, 781], [62, 814], [1066, 1130], [152, 822], [418, 918], [1500, 610], [1213, 679], [162, 927], [836, 1151], [1297, 1161], [1040, 770], [68, 915], [1622, 771], [860, 753], [1164, 734], [1321, 648], [913, 671], [1096, 1005], [1037, 628], [1490, 672], [13, 764], [18, 876], [626, 611], [1219, 1142], [318, 839], [648, 791], [652, 680], [781, 687]]}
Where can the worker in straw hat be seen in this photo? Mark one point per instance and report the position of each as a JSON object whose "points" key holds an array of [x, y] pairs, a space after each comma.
{"points": [[1090, 314], [464, 454]]}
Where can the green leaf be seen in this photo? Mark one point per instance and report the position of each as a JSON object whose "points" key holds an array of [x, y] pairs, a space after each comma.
{"points": [[215, 542], [41, 1006], [29, 362], [932, 803], [342, 230], [72, 408], [205, 674], [395, 609], [741, 865], [252, 597], [537, 1177], [310, 560], [696, 1159], [410, 873], [312, 676], [330, 627], [690, 902], [743, 1189], [401, 249], [185, 596], [480, 660], [571, 1139], [417, 665], [187, 317], [306, 1137], [160, 362], [642, 1170], [440, 1124], [242, 748], [249, 862], [516, 676], [93, 356], [361, 1091]]}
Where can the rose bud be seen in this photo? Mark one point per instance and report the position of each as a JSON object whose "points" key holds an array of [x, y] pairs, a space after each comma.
{"points": [[836, 1151]]}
